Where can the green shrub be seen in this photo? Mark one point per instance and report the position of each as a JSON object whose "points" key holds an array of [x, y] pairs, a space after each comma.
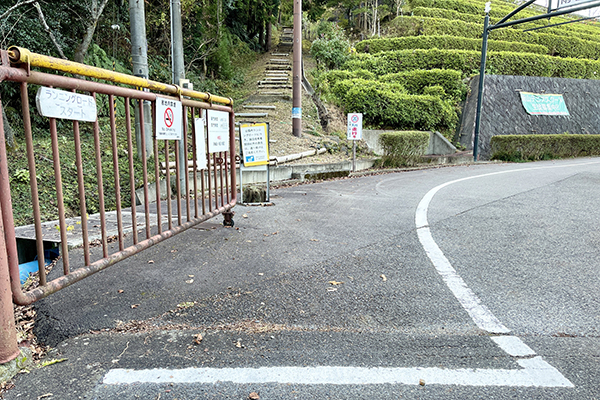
{"points": [[541, 147], [332, 48], [500, 63], [403, 148], [383, 106], [329, 79], [448, 14], [557, 45], [468, 9], [418, 80], [444, 42], [342, 88]]}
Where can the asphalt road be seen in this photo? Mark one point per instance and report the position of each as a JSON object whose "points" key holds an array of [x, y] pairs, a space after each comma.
{"points": [[342, 291]]}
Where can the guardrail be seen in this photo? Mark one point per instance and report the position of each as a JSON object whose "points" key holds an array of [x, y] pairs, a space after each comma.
{"points": [[209, 191]]}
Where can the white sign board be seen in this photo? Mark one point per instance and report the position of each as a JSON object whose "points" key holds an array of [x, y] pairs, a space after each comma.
{"points": [[200, 143], [255, 144], [56, 103], [570, 3], [169, 119], [354, 126], [218, 131]]}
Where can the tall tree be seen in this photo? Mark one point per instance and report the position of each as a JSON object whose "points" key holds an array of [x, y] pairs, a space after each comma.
{"points": [[95, 9]]}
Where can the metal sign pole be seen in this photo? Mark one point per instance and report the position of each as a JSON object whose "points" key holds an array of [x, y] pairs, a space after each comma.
{"points": [[481, 80]]}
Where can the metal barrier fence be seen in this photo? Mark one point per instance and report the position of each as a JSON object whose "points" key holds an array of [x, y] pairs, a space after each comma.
{"points": [[205, 193]]}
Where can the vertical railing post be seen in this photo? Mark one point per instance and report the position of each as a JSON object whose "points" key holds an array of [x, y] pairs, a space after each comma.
{"points": [[481, 81], [8, 330]]}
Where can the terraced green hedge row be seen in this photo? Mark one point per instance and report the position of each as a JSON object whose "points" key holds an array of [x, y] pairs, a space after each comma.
{"points": [[498, 63], [414, 82], [418, 80], [499, 11], [403, 148], [478, 19], [539, 147], [557, 45], [382, 107], [373, 46], [447, 14]]}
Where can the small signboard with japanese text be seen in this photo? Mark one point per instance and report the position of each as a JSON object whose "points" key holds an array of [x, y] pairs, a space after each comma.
{"points": [[354, 126], [255, 144], [544, 104], [169, 119], [200, 143], [218, 131], [55, 103]]}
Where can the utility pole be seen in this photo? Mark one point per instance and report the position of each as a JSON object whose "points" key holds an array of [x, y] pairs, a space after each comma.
{"points": [[178, 71], [297, 71], [139, 58]]}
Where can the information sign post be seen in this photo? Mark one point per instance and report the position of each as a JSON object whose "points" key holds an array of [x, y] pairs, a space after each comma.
{"points": [[354, 133], [254, 141]]}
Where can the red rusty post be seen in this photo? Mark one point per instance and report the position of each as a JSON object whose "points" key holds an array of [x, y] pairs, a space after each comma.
{"points": [[8, 330]]}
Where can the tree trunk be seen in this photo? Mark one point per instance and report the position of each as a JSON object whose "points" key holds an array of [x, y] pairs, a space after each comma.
{"points": [[95, 12], [268, 43], [261, 36]]}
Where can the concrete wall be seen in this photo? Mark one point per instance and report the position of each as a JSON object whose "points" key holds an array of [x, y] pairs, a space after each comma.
{"points": [[503, 112]]}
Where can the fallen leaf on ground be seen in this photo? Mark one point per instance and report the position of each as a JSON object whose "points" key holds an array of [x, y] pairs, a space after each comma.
{"points": [[135, 305], [331, 289], [383, 277], [189, 281], [314, 240], [198, 338], [150, 261], [120, 291], [275, 233], [51, 362], [238, 344], [244, 216], [253, 396], [422, 382], [335, 283]]}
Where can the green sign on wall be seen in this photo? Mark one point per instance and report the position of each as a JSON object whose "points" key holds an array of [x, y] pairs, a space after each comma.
{"points": [[544, 104]]}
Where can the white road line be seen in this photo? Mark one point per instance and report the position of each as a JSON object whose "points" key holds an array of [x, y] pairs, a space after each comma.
{"points": [[478, 312], [513, 346], [535, 373]]}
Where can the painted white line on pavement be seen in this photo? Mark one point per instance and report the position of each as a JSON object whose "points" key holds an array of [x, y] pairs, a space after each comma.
{"points": [[478, 312], [513, 346], [545, 375], [535, 372]]}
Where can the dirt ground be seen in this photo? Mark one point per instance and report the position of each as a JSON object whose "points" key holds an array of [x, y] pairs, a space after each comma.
{"points": [[282, 141]]}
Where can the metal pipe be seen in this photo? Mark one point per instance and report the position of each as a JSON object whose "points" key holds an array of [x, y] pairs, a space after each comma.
{"points": [[35, 201], [549, 15], [157, 175], [24, 56], [131, 170], [297, 71], [481, 83], [81, 188], [560, 23], [516, 10], [8, 331], [59, 196], [145, 171], [100, 182], [115, 157]]}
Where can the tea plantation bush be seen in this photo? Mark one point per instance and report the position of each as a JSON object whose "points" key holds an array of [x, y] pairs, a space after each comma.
{"points": [[540, 147], [373, 46], [403, 148], [383, 106]]}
